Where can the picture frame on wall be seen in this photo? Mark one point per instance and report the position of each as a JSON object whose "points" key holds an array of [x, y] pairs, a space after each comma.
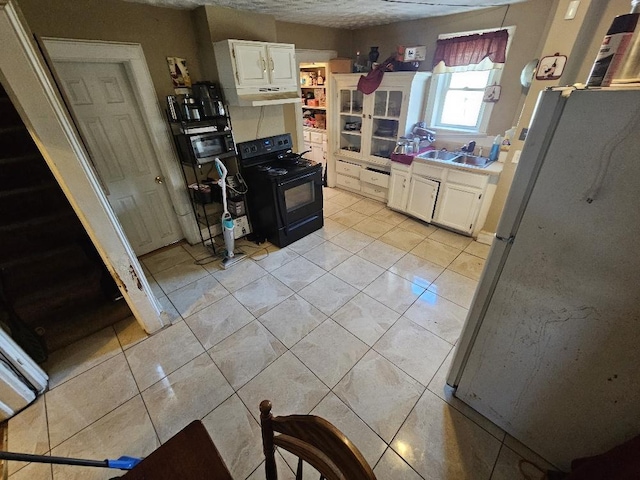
{"points": [[492, 93], [179, 74], [551, 67]]}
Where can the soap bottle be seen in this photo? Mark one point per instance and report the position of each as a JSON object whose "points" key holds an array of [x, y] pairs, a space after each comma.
{"points": [[495, 148]]}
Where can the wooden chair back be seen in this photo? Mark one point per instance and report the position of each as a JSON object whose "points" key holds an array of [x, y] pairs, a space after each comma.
{"points": [[313, 440]]}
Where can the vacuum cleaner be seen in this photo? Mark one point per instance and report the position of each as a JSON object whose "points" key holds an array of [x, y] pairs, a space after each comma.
{"points": [[231, 257]]}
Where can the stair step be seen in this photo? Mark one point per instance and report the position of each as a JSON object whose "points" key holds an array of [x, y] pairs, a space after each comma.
{"points": [[17, 144], [40, 221], [8, 114], [43, 268], [48, 233], [23, 171], [20, 205], [80, 321], [53, 301]]}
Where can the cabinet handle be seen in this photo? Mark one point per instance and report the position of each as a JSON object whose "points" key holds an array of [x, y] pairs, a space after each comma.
{"points": [[271, 64], [264, 64], [369, 116]]}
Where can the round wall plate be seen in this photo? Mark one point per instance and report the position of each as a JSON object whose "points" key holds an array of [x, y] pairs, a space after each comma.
{"points": [[529, 70]]}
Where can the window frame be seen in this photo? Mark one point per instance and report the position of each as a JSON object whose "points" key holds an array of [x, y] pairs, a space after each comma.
{"points": [[440, 85]]}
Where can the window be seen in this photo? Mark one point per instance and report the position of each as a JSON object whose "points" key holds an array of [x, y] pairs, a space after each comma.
{"points": [[455, 98], [458, 104]]}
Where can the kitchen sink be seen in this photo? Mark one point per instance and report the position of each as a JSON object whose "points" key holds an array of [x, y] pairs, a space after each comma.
{"points": [[459, 158], [441, 155], [471, 160]]}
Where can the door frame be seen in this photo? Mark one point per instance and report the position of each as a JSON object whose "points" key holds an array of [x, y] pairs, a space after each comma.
{"points": [[131, 57], [30, 87]]}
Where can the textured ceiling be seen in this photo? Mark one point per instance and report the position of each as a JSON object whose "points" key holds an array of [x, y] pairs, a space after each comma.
{"points": [[350, 14]]}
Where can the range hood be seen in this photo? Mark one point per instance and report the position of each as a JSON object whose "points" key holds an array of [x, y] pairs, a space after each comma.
{"points": [[258, 97]]}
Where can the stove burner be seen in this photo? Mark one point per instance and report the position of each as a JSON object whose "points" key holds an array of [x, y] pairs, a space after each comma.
{"points": [[303, 162], [263, 168], [274, 172]]}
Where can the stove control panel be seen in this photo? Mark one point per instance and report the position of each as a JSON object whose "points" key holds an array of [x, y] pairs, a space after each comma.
{"points": [[265, 146]]}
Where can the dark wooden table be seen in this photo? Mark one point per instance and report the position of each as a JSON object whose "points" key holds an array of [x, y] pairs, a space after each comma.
{"points": [[190, 454]]}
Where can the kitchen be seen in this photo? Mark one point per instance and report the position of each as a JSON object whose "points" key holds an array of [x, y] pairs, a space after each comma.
{"points": [[273, 116]]}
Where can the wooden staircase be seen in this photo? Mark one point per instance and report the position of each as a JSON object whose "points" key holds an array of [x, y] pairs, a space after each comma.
{"points": [[53, 281]]}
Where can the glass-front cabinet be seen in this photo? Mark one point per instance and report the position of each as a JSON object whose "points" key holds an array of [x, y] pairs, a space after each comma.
{"points": [[370, 125], [351, 104], [386, 121]]}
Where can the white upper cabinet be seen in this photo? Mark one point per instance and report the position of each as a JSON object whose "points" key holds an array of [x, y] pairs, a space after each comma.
{"points": [[257, 73], [250, 64], [282, 64]]}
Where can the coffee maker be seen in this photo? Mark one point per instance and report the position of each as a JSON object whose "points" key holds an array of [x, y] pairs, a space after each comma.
{"points": [[207, 96]]}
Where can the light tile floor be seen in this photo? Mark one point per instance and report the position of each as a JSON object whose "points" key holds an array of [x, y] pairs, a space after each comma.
{"points": [[355, 323]]}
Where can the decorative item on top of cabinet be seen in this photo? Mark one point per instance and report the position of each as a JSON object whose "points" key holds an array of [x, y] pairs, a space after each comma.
{"points": [[257, 73], [367, 127]]}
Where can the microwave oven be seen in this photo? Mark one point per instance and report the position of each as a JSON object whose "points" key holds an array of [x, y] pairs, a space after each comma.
{"points": [[204, 147]]}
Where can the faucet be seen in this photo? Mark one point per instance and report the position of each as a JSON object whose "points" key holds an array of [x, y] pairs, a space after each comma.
{"points": [[468, 148]]}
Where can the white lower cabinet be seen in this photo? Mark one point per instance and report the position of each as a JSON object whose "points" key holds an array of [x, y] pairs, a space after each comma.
{"points": [[398, 189], [458, 206], [313, 142], [422, 196], [444, 196], [348, 175]]}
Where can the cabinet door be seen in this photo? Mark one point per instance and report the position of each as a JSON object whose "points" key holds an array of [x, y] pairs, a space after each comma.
{"points": [[350, 121], [251, 64], [458, 206], [422, 198], [398, 190], [282, 64], [385, 115]]}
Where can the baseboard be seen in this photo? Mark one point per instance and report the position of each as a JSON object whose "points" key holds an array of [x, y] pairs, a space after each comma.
{"points": [[486, 237]]}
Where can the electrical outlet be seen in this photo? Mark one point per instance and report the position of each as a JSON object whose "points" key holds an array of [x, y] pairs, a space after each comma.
{"points": [[572, 9], [516, 156], [523, 134]]}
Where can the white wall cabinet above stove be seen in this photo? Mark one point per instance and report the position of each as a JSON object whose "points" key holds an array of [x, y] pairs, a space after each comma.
{"points": [[257, 73]]}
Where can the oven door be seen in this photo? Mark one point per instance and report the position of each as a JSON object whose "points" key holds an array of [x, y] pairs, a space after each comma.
{"points": [[299, 198]]}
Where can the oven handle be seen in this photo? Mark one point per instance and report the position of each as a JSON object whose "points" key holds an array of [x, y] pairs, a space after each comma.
{"points": [[301, 179], [282, 209]]}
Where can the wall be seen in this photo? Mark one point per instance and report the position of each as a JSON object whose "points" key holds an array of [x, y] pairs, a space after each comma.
{"points": [[315, 38], [530, 18], [569, 37], [162, 32]]}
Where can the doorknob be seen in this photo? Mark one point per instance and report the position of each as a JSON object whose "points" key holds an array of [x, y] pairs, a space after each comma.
{"points": [[158, 179]]}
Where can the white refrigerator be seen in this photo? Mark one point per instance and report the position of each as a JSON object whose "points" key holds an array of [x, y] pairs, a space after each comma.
{"points": [[550, 350]]}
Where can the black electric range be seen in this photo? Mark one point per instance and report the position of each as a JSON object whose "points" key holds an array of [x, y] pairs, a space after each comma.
{"points": [[285, 190]]}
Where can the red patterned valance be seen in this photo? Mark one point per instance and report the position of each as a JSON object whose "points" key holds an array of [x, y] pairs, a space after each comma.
{"points": [[472, 49]]}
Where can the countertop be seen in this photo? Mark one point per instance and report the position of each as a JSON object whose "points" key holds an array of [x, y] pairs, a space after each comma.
{"points": [[494, 169]]}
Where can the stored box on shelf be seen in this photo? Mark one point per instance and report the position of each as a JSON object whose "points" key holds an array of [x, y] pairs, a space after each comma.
{"points": [[236, 207]]}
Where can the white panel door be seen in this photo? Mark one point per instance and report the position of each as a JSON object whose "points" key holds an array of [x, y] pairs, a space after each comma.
{"points": [[112, 126]]}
